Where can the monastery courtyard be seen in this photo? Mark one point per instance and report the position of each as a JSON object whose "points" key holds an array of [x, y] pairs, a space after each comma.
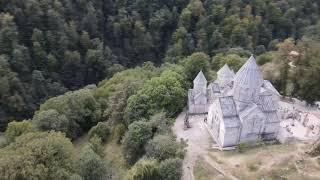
{"points": [[272, 161]]}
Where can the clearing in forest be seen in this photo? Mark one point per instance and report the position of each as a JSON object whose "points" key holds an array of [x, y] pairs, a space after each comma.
{"points": [[278, 161]]}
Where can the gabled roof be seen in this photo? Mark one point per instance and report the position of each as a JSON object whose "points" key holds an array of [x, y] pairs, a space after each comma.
{"points": [[228, 106], [200, 78], [226, 71], [249, 75]]}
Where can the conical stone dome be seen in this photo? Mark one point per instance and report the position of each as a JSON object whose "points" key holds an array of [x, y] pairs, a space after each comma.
{"points": [[200, 79], [225, 71], [249, 75]]}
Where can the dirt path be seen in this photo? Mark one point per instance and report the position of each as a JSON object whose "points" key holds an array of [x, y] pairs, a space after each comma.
{"points": [[197, 139], [199, 142]]}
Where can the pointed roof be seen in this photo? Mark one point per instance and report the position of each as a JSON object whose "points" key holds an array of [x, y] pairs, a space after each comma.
{"points": [[226, 71], [249, 75], [200, 78]]}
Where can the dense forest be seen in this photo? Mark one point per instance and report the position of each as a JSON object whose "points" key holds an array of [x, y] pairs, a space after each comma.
{"points": [[119, 70]]}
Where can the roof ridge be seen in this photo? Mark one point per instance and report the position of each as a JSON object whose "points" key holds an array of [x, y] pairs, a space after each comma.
{"points": [[249, 74]]}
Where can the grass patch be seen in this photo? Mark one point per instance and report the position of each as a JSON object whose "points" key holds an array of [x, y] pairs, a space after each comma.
{"points": [[253, 167], [113, 154], [203, 171], [3, 140]]}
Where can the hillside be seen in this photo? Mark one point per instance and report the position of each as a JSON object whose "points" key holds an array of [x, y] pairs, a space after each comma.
{"points": [[90, 89]]}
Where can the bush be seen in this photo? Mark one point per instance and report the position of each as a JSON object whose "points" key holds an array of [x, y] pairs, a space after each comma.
{"points": [[134, 140], [165, 93], [101, 130], [163, 147], [15, 129], [171, 169], [51, 120], [145, 169], [96, 145], [160, 123], [39, 155], [79, 107], [119, 132], [91, 166]]}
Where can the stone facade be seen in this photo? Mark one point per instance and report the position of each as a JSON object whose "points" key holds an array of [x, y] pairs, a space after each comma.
{"points": [[241, 107], [245, 110], [198, 97]]}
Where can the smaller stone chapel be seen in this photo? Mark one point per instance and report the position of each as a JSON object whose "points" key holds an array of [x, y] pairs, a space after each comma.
{"points": [[241, 107]]}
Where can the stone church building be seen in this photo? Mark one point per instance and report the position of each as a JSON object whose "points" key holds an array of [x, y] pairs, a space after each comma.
{"points": [[241, 107]]}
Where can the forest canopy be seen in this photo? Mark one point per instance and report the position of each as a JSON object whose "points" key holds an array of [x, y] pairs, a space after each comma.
{"points": [[48, 47], [116, 72]]}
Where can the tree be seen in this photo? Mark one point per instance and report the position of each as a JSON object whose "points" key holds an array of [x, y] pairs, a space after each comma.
{"points": [[91, 166], [136, 137], [162, 147], [79, 107], [16, 129], [285, 48], [101, 130], [8, 33], [171, 169], [234, 61], [144, 169], [38, 156], [165, 93], [305, 76], [51, 120], [195, 63]]}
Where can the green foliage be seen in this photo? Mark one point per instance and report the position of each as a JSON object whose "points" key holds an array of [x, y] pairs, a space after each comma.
{"points": [[38, 156], [119, 132], [133, 142], [195, 63], [305, 78], [113, 93], [79, 107], [163, 93], [96, 145], [160, 123], [234, 61], [16, 129], [101, 130], [265, 58], [90, 166], [51, 120], [163, 147], [242, 147], [144, 169], [171, 169], [72, 44]]}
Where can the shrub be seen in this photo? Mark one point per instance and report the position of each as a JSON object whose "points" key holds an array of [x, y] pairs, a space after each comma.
{"points": [[79, 107], [91, 166], [96, 145], [171, 169], [38, 155], [145, 169], [51, 120], [101, 130], [163, 147], [15, 129], [119, 132], [134, 140]]}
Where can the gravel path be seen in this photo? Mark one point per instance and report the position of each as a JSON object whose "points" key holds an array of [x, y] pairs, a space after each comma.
{"points": [[198, 141]]}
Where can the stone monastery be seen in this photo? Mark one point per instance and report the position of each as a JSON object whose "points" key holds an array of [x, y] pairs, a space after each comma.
{"points": [[241, 107]]}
